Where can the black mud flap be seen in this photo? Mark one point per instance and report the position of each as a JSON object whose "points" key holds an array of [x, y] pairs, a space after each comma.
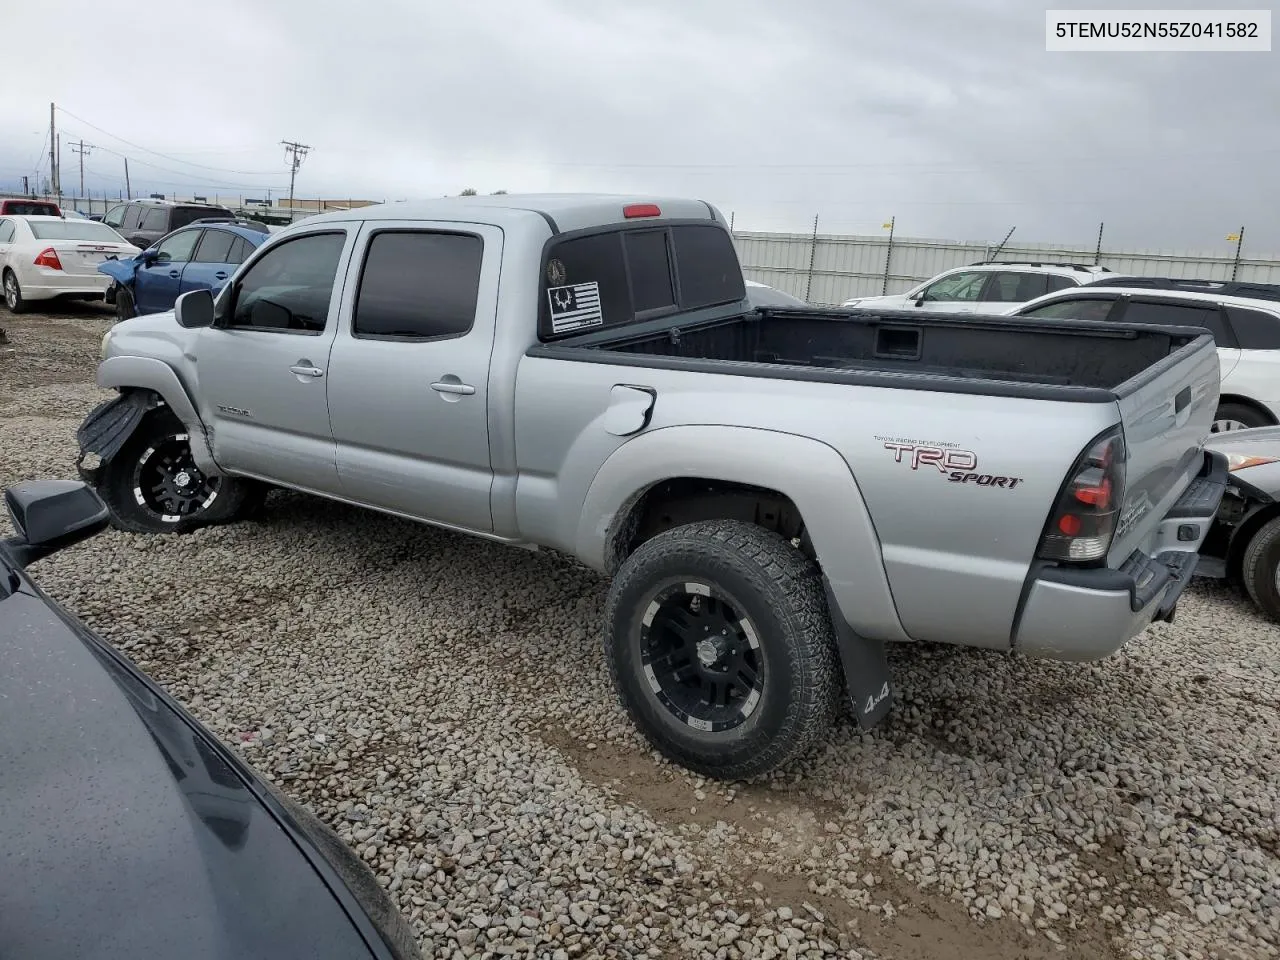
{"points": [[866, 668], [108, 426]]}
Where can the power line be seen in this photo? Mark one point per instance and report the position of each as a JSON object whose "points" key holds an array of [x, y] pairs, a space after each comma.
{"points": [[197, 178], [165, 156], [296, 152]]}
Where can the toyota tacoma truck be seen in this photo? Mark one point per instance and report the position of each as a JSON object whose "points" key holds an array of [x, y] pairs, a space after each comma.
{"points": [[775, 493]]}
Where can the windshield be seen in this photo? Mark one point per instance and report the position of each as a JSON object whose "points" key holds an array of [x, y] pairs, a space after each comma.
{"points": [[74, 230]]}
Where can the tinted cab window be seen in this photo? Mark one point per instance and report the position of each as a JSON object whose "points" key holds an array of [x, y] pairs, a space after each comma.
{"points": [[418, 285], [288, 289], [611, 278]]}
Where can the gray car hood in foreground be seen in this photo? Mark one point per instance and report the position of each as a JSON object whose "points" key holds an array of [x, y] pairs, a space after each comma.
{"points": [[123, 832]]}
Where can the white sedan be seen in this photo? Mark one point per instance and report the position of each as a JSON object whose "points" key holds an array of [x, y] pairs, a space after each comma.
{"points": [[46, 257]]}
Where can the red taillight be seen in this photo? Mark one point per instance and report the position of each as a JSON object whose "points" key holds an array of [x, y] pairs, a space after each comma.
{"points": [[1084, 519], [633, 210], [48, 258]]}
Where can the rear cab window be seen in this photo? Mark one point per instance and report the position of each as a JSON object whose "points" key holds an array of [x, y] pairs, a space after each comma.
{"points": [[616, 276]]}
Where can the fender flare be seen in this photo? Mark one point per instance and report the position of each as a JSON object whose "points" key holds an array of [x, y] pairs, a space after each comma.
{"points": [[145, 373], [812, 474]]}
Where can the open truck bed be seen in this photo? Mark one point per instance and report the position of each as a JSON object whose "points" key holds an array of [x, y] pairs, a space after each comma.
{"points": [[1049, 359]]}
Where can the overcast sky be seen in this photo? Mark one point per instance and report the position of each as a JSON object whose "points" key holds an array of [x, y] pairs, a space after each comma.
{"points": [[948, 114]]}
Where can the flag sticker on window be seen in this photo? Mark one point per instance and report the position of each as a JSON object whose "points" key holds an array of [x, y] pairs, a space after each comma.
{"points": [[575, 307]]}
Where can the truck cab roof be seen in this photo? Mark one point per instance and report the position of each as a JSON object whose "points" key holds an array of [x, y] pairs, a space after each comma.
{"points": [[564, 212]]}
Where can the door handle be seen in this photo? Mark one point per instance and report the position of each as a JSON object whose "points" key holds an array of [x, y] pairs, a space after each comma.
{"points": [[221, 274], [306, 371], [175, 274], [463, 389]]}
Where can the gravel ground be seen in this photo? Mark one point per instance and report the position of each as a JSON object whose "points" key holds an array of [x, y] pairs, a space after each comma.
{"points": [[443, 703]]}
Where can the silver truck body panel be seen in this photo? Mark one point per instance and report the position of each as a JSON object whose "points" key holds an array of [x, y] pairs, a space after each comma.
{"points": [[531, 449]]}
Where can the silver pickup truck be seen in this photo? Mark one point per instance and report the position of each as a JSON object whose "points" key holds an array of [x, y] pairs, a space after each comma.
{"points": [[776, 493]]}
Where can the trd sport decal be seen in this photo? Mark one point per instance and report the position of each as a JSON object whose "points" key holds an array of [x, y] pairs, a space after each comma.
{"points": [[958, 466]]}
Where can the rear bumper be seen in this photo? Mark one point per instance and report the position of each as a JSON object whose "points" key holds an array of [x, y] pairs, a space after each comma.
{"points": [[1089, 614], [48, 285]]}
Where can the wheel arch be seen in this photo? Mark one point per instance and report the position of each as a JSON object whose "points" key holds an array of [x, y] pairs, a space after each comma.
{"points": [[1245, 532], [157, 377], [1243, 401], [794, 485]]}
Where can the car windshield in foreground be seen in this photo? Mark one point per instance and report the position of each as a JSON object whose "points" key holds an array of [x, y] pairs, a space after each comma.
{"points": [[73, 230]]}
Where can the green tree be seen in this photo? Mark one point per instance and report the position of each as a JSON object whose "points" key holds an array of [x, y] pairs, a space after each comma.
{"points": [[469, 192]]}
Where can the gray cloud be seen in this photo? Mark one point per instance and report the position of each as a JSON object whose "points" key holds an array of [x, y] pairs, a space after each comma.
{"points": [[949, 115]]}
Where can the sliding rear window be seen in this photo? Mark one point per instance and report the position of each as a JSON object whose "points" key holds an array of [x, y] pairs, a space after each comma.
{"points": [[615, 277]]}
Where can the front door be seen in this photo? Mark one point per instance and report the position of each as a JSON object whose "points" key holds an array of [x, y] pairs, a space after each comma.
{"points": [[409, 379], [263, 368], [156, 285]]}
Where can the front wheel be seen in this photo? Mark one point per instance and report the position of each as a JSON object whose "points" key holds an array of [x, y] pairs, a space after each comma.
{"points": [[153, 485], [1261, 568], [720, 645]]}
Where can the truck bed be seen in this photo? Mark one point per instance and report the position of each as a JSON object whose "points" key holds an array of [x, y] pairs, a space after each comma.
{"points": [[1059, 359]]}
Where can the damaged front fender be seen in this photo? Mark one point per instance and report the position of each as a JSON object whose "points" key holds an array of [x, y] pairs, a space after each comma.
{"points": [[122, 272], [108, 427]]}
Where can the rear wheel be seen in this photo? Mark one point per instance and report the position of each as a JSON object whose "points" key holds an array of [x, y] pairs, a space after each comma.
{"points": [[124, 304], [719, 642], [1260, 569], [13, 293], [1238, 416], [153, 485]]}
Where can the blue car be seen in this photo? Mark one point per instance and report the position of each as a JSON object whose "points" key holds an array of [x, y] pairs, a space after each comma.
{"points": [[201, 256]]}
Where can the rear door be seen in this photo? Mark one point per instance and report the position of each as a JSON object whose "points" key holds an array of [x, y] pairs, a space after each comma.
{"points": [[409, 378], [156, 285], [210, 264]]}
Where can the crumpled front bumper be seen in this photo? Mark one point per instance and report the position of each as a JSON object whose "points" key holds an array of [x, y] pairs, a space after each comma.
{"points": [[1085, 614]]}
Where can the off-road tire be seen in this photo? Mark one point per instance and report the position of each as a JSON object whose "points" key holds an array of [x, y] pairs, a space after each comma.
{"points": [[1242, 413], [124, 304], [12, 298], [774, 586], [1258, 568], [115, 484]]}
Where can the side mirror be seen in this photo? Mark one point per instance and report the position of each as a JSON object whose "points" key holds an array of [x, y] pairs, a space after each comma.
{"points": [[194, 309], [148, 257], [49, 515]]}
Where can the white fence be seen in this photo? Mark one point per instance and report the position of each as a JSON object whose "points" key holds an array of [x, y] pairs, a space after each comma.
{"points": [[836, 268]]}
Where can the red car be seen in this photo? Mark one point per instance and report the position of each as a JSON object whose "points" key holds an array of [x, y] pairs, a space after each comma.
{"points": [[29, 208]]}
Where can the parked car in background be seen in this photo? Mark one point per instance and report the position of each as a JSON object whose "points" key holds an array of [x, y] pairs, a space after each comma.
{"points": [[143, 222], [198, 257], [1243, 546], [988, 287], [587, 374], [1245, 328], [763, 295], [44, 258], [29, 208]]}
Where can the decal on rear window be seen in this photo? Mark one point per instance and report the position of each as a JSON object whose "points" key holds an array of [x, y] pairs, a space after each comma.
{"points": [[575, 307]]}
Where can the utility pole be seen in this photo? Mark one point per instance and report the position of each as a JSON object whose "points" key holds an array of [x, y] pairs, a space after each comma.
{"points": [[296, 153], [59, 168], [53, 148], [128, 190], [81, 148], [25, 191]]}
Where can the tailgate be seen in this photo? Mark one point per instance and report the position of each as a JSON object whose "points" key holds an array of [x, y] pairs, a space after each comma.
{"points": [[1166, 412]]}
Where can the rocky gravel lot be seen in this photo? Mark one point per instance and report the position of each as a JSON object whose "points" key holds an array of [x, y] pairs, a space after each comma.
{"points": [[443, 703]]}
